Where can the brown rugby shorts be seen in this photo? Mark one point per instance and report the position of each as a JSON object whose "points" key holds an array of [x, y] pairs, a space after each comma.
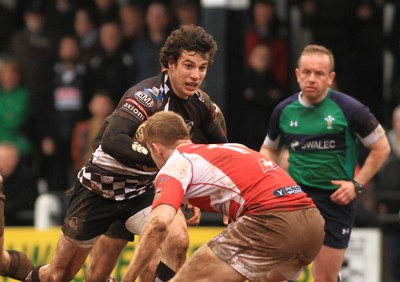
{"points": [[286, 241]]}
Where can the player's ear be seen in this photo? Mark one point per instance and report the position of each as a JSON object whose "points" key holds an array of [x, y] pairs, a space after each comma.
{"points": [[156, 149]]}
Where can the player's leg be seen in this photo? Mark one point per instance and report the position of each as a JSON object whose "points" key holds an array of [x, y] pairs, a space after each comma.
{"points": [[174, 248], [67, 261], [204, 265], [103, 258], [327, 264]]}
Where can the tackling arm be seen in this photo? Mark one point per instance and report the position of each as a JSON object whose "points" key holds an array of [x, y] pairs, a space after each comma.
{"points": [[150, 239]]}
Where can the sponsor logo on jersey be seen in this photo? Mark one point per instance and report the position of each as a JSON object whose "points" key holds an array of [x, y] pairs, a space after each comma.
{"points": [[144, 99], [288, 190], [326, 142], [319, 145], [154, 92], [294, 123], [294, 145], [329, 121], [157, 194], [134, 107], [267, 165]]}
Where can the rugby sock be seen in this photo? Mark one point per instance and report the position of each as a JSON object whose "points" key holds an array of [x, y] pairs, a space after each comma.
{"points": [[163, 273], [20, 266], [33, 276]]}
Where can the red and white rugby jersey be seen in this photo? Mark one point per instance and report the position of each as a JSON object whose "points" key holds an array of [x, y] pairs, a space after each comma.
{"points": [[227, 178]]}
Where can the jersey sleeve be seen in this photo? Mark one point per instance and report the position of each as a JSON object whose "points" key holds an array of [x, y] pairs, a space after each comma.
{"points": [[172, 181], [214, 127], [122, 126], [362, 122], [273, 137], [169, 191]]}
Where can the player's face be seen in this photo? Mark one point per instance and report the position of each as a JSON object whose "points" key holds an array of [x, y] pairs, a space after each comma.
{"points": [[314, 76], [187, 74]]}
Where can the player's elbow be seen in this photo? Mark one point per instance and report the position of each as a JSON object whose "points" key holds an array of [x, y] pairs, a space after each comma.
{"points": [[386, 151]]}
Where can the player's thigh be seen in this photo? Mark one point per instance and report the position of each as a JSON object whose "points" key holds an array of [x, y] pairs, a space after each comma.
{"points": [[103, 258], [204, 265], [327, 264], [175, 245]]}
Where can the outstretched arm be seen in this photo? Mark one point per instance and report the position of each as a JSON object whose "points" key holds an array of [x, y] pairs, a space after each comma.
{"points": [[150, 239]]}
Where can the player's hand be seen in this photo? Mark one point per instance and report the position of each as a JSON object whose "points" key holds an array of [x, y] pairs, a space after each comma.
{"points": [[225, 220], [194, 220], [344, 194]]}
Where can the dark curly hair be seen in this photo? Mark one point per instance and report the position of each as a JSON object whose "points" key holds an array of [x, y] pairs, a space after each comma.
{"points": [[188, 38]]}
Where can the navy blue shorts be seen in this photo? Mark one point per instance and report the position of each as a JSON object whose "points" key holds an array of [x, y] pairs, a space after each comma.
{"points": [[339, 219], [90, 215]]}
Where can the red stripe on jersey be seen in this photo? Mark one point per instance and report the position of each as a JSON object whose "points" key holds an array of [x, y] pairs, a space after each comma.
{"points": [[169, 191], [130, 100]]}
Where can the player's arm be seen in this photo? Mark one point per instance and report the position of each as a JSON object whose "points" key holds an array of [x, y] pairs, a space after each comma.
{"points": [[270, 153], [150, 239], [117, 142], [379, 151]]}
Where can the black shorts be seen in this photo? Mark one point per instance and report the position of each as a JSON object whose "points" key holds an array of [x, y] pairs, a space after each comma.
{"points": [[89, 215], [339, 219]]}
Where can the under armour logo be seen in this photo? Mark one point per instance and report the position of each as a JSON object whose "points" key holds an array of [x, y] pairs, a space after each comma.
{"points": [[293, 123], [345, 231]]}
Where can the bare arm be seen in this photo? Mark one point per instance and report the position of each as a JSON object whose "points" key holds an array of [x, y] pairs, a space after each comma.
{"points": [[379, 151], [269, 153], [150, 239]]}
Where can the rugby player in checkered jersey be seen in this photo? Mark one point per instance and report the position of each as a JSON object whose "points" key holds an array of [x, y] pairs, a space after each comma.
{"points": [[114, 191]]}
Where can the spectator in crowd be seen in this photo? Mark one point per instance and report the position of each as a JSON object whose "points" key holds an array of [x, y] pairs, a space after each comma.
{"points": [[111, 69], [85, 29], [60, 18], [132, 25], [106, 11], [186, 11], [262, 92], [387, 195], [145, 51], [267, 28], [19, 186], [14, 107], [394, 45], [64, 106], [35, 52], [100, 106], [8, 26]]}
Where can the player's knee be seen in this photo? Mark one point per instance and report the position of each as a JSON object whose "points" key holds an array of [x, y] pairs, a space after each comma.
{"points": [[91, 275]]}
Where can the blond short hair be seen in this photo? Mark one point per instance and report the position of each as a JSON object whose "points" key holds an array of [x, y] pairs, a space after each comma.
{"points": [[165, 128], [318, 49]]}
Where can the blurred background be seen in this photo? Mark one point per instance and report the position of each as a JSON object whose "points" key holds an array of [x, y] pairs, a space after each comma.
{"points": [[64, 64]]}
